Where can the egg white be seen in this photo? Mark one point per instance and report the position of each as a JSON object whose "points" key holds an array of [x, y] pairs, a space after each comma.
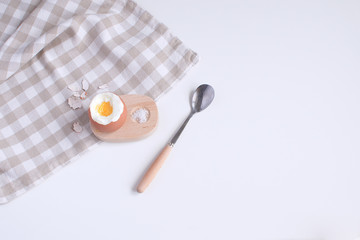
{"points": [[115, 102]]}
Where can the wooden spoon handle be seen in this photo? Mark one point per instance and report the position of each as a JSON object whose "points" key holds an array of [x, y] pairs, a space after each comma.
{"points": [[154, 168]]}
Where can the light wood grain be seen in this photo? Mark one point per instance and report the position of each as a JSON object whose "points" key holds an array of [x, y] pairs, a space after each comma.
{"points": [[132, 130], [154, 168]]}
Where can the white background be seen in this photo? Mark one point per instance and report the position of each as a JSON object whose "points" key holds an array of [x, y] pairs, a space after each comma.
{"points": [[276, 156]]}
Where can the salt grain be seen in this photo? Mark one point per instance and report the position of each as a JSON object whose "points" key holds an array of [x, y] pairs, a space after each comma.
{"points": [[141, 115]]}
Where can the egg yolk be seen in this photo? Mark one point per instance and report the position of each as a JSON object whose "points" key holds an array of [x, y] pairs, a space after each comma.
{"points": [[104, 109]]}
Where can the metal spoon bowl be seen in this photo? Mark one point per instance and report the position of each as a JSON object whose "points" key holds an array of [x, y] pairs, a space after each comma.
{"points": [[201, 99]]}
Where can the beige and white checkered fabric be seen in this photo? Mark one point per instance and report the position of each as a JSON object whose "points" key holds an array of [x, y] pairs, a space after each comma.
{"points": [[46, 46]]}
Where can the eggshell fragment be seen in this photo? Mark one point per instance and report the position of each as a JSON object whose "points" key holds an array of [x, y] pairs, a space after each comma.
{"points": [[76, 94], [103, 86], [83, 95], [77, 127], [74, 87], [85, 84], [74, 102]]}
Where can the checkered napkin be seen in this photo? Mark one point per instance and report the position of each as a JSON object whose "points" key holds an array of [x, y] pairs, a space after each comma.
{"points": [[45, 46]]}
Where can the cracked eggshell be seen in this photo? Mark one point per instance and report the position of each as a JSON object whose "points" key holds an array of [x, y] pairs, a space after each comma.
{"points": [[112, 126]]}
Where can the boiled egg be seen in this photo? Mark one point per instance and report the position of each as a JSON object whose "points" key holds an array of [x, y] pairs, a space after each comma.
{"points": [[107, 112]]}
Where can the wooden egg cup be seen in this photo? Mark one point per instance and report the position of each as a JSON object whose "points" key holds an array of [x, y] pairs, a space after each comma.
{"points": [[132, 130]]}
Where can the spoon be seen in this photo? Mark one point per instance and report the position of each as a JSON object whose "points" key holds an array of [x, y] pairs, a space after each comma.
{"points": [[201, 99]]}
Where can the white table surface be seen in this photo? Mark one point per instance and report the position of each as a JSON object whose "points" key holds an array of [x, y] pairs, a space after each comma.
{"points": [[276, 156]]}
